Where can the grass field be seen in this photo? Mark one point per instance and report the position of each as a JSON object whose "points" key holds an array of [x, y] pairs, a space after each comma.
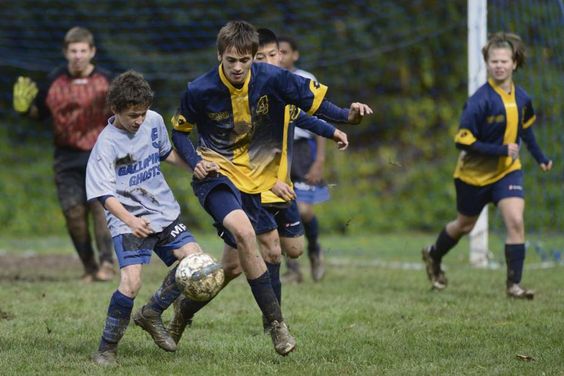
{"points": [[373, 315]]}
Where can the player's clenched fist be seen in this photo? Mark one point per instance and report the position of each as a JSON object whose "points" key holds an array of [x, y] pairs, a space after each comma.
{"points": [[25, 91]]}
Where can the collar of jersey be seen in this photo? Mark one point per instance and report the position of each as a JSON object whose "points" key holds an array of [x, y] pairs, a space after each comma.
{"points": [[232, 89], [502, 92]]}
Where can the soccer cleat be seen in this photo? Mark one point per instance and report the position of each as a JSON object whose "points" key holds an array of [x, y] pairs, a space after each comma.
{"points": [[88, 278], [317, 265], [283, 341], [152, 323], [105, 358], [517, 292], [434, 272], [106, 272], [179, 322], [293, 274]]}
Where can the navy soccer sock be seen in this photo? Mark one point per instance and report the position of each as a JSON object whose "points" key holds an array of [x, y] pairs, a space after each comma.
{"points": [[265, 297], [166, 294], [189, 307], [443, 244], [514, 258], [274, 272], [119, 312], [312, 234]]}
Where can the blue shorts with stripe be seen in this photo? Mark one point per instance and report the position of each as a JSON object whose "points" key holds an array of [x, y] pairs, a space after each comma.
{"points": [[219, 197], [287, 220], [471, 199], [131, 250]]}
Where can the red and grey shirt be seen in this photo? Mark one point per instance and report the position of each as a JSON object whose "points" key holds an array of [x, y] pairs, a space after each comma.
{"points": [[76, 106]]}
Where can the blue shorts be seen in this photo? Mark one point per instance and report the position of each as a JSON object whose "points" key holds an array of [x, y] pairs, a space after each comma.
{"points": [[311, 194], [219, 197], [287, 220], [131, 250], [471, 199], [304, 151]]}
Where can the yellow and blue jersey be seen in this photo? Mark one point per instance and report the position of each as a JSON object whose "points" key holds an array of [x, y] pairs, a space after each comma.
{"points": [[244, 129], [495, 117]]}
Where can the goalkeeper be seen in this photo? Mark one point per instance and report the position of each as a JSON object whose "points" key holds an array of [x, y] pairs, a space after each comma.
{"points": [[73, 100]]}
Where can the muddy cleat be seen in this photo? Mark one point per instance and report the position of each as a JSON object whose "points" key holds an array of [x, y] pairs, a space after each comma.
{"points": [[179, 322], [317, 265], [152, 323], [106, 272], [434, 272], [517, 292], [283, 341], [293, 274], [105, 358], [88, 278]]}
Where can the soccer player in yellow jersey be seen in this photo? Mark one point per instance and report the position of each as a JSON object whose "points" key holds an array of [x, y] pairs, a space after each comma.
{"points": [[239, 110], [496, 118]]}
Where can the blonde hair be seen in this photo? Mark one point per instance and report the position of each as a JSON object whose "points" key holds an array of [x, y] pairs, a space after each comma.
{"points": [[506, 40]]}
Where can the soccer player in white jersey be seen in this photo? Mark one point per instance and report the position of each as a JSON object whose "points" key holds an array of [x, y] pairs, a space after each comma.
{"points": [[307, 174], [124, 174]]}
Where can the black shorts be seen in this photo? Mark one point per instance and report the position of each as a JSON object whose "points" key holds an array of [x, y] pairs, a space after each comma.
{"points": [[70, 176], [288, 220], [471, 199]]}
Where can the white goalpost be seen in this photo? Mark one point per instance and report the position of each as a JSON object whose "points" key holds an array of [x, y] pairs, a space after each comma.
{"points": [[477, 37]]}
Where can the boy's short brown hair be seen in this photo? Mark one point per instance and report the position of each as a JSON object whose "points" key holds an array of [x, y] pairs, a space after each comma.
{"points": [[127, 90], [240, 35]]}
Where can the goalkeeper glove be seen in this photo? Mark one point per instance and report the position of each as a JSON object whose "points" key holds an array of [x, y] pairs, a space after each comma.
{"points": [[25, 91]]}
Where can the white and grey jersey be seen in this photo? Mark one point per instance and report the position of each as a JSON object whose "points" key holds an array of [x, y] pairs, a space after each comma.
{"points": [[299, 132], [127, 166]]}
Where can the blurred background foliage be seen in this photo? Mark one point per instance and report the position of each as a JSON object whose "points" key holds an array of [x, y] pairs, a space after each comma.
{"points": [[406, 58]]}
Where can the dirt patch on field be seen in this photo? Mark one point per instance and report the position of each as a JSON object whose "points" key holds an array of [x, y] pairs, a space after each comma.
{"points": [[5, 315], [37, 268]]}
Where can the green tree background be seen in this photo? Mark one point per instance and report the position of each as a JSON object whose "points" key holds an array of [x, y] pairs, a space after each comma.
{"points": [[406, 59]]}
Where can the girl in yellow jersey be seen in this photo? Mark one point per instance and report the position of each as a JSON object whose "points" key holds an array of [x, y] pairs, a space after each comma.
{"points": [[496, 118]]}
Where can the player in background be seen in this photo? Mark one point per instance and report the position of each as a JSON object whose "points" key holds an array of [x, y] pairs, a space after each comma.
{"points": [[74, 101], [279, 202], [307, 174], [143, 216], [496, 118], [239, 110]]}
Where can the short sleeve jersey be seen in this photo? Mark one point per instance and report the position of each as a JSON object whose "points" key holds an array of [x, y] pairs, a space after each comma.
{"points": [[76, 106], [242, 129], [127, 166], [491, 115]]}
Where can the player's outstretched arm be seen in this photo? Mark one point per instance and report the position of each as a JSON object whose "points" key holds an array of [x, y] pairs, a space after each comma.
{"points": [[174, 159], [358, 111], [341, 139], [25, 91], [185, 148]]}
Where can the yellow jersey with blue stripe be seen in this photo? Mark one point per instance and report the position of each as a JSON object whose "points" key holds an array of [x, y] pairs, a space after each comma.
{"points": [[244, 129], [493, 116]]}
